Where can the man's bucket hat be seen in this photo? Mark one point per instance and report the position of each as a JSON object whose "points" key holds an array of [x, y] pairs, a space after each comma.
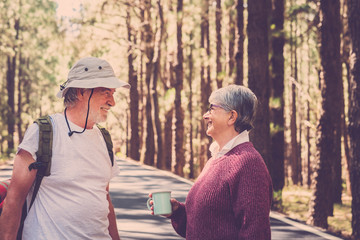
{"points": [[91, 72]]}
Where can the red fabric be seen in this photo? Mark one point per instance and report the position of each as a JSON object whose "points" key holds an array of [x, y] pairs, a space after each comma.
{"points": [[3, 190]]}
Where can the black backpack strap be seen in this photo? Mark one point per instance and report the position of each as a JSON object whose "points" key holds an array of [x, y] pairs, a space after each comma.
{"points": [[43, 162], [108, 141], [21, 227]]}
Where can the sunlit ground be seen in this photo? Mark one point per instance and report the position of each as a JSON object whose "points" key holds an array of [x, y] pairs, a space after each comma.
{"points": [[296, 206]]}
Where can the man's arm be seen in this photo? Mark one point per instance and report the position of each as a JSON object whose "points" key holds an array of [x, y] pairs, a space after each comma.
{"points": [[21, 181], [112, 219]]}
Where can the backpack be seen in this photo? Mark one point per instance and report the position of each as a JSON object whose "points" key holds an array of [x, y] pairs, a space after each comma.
{"points": [[43, 162]]}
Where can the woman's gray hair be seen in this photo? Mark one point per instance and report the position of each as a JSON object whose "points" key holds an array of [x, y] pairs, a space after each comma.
{"points": [[240, 99]]}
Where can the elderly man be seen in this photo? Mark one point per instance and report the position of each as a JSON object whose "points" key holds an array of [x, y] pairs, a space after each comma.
{"points": [[73, 202]]}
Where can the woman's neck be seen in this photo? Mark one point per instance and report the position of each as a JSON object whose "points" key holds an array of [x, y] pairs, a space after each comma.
{"points": [[225, 138]]}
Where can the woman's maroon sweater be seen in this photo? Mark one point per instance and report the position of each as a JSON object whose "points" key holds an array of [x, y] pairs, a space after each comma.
{"points": [[230, 200]]}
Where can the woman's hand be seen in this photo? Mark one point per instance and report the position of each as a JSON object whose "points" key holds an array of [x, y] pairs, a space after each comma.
{"points": [[174, 205]]}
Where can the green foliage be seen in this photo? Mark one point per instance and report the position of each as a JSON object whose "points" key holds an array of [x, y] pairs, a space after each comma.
{"points": [[275, 103], [277, 201], [305, 8], [275, 128], [32, 46]]}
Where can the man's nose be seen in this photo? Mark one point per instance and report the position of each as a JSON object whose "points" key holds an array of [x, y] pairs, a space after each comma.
{"points": [[111, 101]]}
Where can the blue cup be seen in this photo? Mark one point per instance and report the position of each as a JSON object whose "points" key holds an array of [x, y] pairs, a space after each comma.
{"points": [[161, 203]]}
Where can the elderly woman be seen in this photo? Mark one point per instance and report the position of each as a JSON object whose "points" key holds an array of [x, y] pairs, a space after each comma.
{"points": [[232, 196]]}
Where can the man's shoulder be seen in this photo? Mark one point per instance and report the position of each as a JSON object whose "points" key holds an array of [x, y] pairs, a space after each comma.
{"points": [[54, 118]]}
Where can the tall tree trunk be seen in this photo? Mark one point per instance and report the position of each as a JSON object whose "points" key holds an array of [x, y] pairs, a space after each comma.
{"points": [[240, 37], [20, 92], [159, 162], [294, 158], [10, 85], [308, 144], [218, 18], [258, 51], [179, 112], [346, 44], [337, 177], [232, 35], [205, 81], [277, 99], [328, 145], [168, 126], [168, 83], [308, 127], [294, 143], [142, 97], [354, 114], [134, 150], [149, 158], [346, 136], [168, 138], [190, 109]]}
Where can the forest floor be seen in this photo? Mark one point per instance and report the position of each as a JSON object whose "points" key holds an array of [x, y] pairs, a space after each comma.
{"points": [[296, 206]]}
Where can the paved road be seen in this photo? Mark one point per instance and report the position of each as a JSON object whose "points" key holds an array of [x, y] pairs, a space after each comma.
{"points": [[129, 193]]}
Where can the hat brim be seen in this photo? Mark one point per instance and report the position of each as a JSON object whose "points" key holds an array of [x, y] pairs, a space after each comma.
{"points": [[110, 82]]}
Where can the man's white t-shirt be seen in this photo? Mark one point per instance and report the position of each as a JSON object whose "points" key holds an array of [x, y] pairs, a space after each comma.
{"points": [[71, 203]]}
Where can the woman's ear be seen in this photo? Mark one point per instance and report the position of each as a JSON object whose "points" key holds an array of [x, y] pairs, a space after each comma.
{"points": [[232, 117]]}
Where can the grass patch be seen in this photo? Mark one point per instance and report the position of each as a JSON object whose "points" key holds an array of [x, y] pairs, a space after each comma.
{"points": [[295, 204]]}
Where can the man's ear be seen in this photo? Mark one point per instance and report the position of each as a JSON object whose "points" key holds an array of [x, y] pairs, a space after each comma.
{"points": [[232, 117], [80, 92]]}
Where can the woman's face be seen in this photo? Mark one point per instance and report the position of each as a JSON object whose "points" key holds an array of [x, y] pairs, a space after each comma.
{"points": [[216, 119]]}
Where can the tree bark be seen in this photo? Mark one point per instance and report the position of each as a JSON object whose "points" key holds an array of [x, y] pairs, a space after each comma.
{"points": [[240, 37], [10, 86], [295, 161], [218, 18], [231, 42], [134, 150], [157, 66], [329, 127], [190, 108], [277, 98], [205, 81], [179, 112], [346, 45], [20, 92], [168, 126], [258, 49], [149, 158], [354, 114]]}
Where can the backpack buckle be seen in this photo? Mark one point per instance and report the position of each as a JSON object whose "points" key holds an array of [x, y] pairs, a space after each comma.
{"points": [[36, 165]]}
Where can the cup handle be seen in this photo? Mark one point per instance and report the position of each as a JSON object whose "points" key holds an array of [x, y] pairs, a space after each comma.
{"points": [[148, 203]]}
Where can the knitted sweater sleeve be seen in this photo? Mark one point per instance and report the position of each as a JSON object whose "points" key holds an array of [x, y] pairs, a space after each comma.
{"points": [[178, 220], [250, 195]]}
